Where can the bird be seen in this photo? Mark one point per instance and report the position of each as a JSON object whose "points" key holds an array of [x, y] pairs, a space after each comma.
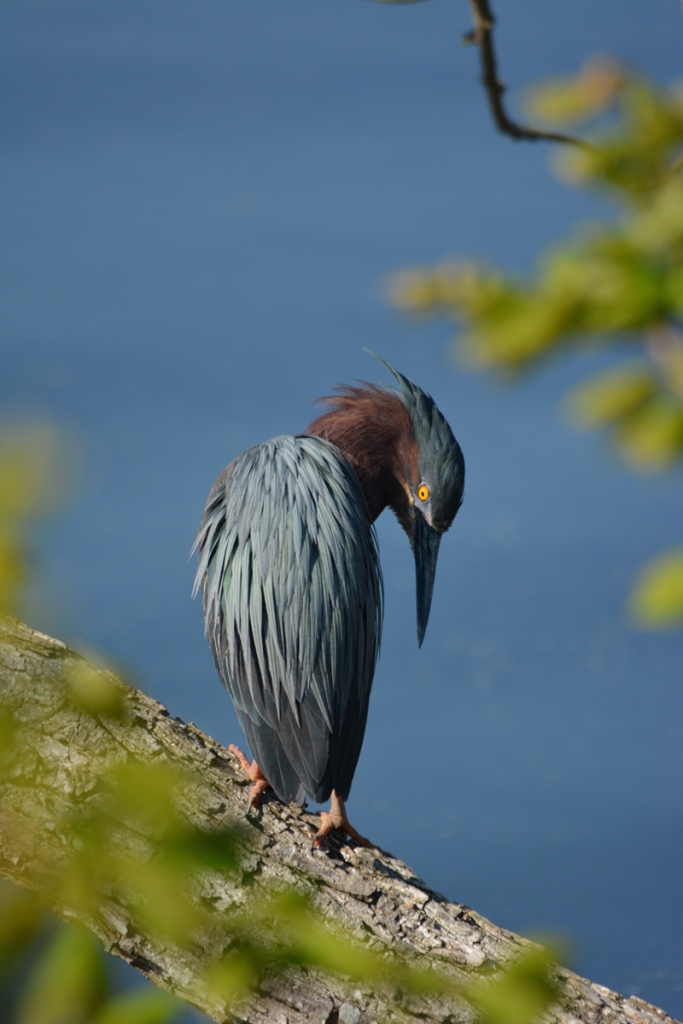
{"points": [[289, 572]]}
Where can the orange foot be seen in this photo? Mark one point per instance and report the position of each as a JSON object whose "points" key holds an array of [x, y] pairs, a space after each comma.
{"points": [[336, 820], [255, 774]]}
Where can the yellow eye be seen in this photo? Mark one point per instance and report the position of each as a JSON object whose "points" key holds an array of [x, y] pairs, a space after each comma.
{"points": [[423, 492]]}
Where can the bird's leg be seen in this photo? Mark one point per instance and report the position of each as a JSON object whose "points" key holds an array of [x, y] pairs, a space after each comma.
{"points": [[336, 820], [255, 774]]}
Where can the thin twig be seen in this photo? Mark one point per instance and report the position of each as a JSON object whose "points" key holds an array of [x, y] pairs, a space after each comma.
{"points": [[482, 36]]}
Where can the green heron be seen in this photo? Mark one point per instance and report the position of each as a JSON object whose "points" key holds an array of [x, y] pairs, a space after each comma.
{"points": [[291, 581]]}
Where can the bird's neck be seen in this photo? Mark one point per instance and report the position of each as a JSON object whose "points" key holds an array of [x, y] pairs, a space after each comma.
{"points": [[372, 429]]}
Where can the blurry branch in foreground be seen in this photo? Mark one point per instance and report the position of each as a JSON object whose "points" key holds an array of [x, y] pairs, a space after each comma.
{"points": [[612, 284], [132, 824]]}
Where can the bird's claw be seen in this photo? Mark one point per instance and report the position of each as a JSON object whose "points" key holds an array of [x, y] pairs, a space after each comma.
{"points": [[327, 827], [254, 773], [336, 821]]}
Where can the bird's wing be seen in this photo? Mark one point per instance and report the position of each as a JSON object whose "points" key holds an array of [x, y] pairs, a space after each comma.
{"points": [[292, 592]]}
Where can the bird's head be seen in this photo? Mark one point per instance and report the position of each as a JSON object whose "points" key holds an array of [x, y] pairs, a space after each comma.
{"points": [[432, 477]]}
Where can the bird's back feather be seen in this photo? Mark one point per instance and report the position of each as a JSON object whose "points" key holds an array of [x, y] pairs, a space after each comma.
{"points": [[292, 592]]}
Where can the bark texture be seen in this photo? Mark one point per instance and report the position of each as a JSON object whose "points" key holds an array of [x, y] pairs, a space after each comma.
{"points": [[374, 896]]}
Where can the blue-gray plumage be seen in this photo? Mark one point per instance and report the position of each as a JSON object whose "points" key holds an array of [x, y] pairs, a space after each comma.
{"points": [[292, 592], [291, 583]]}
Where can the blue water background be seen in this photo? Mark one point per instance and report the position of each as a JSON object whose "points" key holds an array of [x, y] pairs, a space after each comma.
{"points": [[201, 201]]}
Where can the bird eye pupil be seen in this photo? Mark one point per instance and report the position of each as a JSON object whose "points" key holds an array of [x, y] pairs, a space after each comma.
{"points": [[423, 492]]}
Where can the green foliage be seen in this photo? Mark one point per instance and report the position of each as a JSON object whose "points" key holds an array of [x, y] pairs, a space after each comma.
{"points": [[133, 837], [612, 283], [7, 734], [648, 423], [520, 994], [143, 1006], [98, 693], [163, 851], [23, 918], [35, 478], [68, 982], [613, 396], [577, 99], [657, 598]]}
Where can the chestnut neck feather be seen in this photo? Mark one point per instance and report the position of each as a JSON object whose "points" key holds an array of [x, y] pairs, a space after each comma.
{"points": [[373, 430]]}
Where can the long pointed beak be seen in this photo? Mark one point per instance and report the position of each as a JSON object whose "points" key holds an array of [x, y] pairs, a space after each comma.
{"points": [[426, 550]]}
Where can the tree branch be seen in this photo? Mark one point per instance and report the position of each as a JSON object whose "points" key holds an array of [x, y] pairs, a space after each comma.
{"points": [[482, 36], [375, 897]]}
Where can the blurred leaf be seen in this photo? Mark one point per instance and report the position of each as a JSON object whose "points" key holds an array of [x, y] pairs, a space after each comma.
{"points": [[13, 568], [652, 438], [148, 804], [279, 929], [95, 692], [33, 480], [520, 995], [311, 942], [147, 1005], [578, 97], [665, 347], [23, 918], [146, 797], [8, 729], [447, 288], [37, 471], [655, 227], [176, 919], [636, 154], [231, 977], [68, 984], [657, 597], [611, 396]]}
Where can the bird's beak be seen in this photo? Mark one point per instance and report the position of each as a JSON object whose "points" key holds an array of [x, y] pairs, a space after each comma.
{"points": [[426, 550]]}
